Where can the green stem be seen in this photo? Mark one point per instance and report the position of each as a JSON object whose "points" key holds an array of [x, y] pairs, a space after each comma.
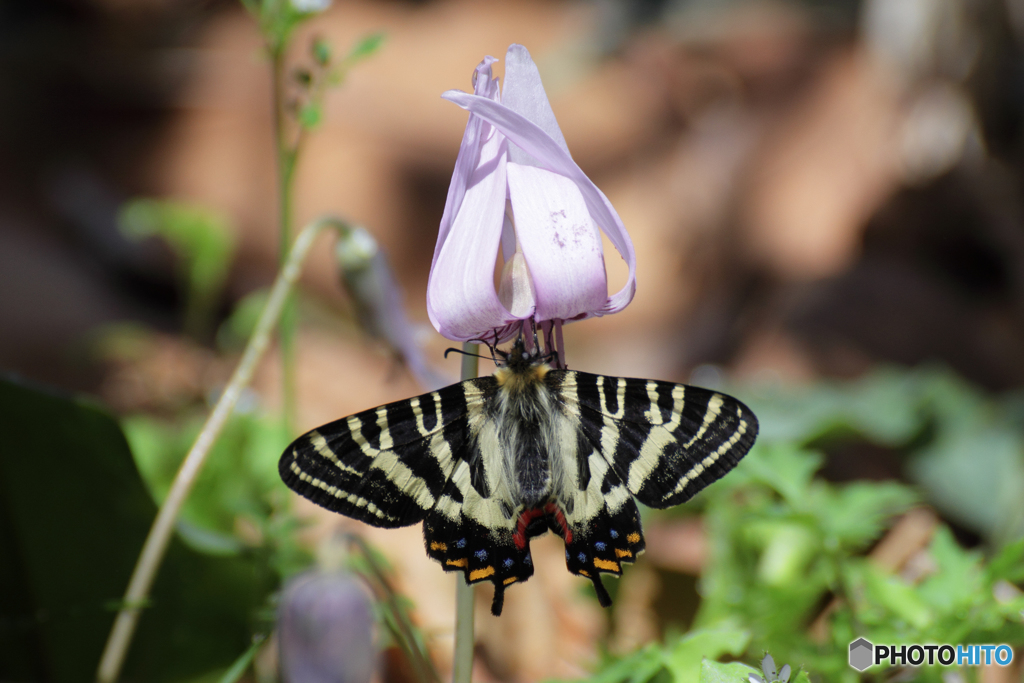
{"points": [[396, 618], [287, 156], [163, 527], [462, 660]]}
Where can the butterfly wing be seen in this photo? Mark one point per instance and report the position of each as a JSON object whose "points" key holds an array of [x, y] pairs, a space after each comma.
{"points": [[664, 441], [386, 466], [415, 460], [475, 534]]}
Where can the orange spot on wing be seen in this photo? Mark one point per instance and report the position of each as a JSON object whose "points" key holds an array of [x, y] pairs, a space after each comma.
{"points": [[607, 565], [633, 537], [478, 574], [619, 552], [509, 580], [584, 572], [434, 545], [461, 562]]}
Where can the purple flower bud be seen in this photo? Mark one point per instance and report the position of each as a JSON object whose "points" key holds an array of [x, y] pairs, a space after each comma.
{"points": [[325, 630], [516, 185], [379, 304]]}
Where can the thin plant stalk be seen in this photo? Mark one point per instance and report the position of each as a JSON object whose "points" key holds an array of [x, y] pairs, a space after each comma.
{"points": [[396, 619], [155, 547], [287, 156], [462, 660]]}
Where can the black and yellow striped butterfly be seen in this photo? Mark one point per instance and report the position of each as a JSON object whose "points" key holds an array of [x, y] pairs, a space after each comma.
{"points": [[489, 463]]}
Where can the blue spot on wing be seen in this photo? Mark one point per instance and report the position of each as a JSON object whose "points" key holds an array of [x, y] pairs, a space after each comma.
{"points": [[481, 555], [600, 546]]}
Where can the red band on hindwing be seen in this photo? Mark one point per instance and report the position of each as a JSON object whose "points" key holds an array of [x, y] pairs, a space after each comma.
{"points": [[559, 516], [528, 516]]}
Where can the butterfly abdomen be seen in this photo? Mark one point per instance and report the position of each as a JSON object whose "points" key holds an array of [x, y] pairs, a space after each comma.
{"points": [[522, 409]]}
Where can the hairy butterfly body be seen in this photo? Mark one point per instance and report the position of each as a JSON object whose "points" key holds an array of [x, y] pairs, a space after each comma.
{"points": [[491, 462]]}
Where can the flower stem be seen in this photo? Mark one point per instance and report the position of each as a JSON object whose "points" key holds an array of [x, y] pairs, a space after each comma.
{"points": [[287, 156], [462, 660], [160, 534]]}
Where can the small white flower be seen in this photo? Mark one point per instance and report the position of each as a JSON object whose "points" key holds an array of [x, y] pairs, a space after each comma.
{"points": [[311, 6]]}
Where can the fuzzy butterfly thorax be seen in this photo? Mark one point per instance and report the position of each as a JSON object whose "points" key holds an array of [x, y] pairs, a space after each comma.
{"points": [[489, 463]]}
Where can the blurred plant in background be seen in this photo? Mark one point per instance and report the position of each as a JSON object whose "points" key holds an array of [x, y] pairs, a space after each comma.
{"points": [[298, 100]]}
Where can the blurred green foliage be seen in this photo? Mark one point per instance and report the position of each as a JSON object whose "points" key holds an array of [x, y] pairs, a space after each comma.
{"points": [[963, 448], [786, 546], [73, 516], [238, 502], [326, 72], [204, 244]]}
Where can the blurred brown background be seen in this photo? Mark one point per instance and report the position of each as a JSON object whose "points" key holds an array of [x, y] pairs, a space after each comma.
{"points": [[812, 188]]}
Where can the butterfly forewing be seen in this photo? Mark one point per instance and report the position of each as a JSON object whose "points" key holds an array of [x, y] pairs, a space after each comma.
{"points": [[386, 466], [665, 441]]}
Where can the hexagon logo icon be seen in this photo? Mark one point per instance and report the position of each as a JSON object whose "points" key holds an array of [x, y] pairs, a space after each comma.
{"points": [[861, 654]]}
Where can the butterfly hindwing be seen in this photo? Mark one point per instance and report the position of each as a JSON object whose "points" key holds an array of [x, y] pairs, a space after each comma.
{"points": [[665, 441], [483, 550], [386, 466]]}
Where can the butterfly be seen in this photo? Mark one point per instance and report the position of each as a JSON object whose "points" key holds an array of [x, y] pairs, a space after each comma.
{"points": [[490, 463]]}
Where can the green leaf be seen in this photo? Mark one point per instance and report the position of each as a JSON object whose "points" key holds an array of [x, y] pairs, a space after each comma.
{"points": [[789, 551], [716, 672], [237, 669], [365, 47], [975, 476], [240, 324], [310, 115], [638, 667], [856, 514], [958, 581], [239, 479], [786, 468], [900, 599], [1008, 563], [321, 50], [684, 658], [73, 516]]}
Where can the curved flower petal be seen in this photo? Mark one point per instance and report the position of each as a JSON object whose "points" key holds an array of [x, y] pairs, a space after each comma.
{"points": [[560, 242], [529, 137], [461, 300], [484, 85], [524, 94]]}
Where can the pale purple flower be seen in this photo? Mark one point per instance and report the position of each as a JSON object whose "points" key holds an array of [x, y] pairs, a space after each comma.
{"points": [[325, 629], [516, 186]]}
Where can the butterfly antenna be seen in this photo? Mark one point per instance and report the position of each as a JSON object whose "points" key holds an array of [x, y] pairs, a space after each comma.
{"points": [[464, 353]]}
